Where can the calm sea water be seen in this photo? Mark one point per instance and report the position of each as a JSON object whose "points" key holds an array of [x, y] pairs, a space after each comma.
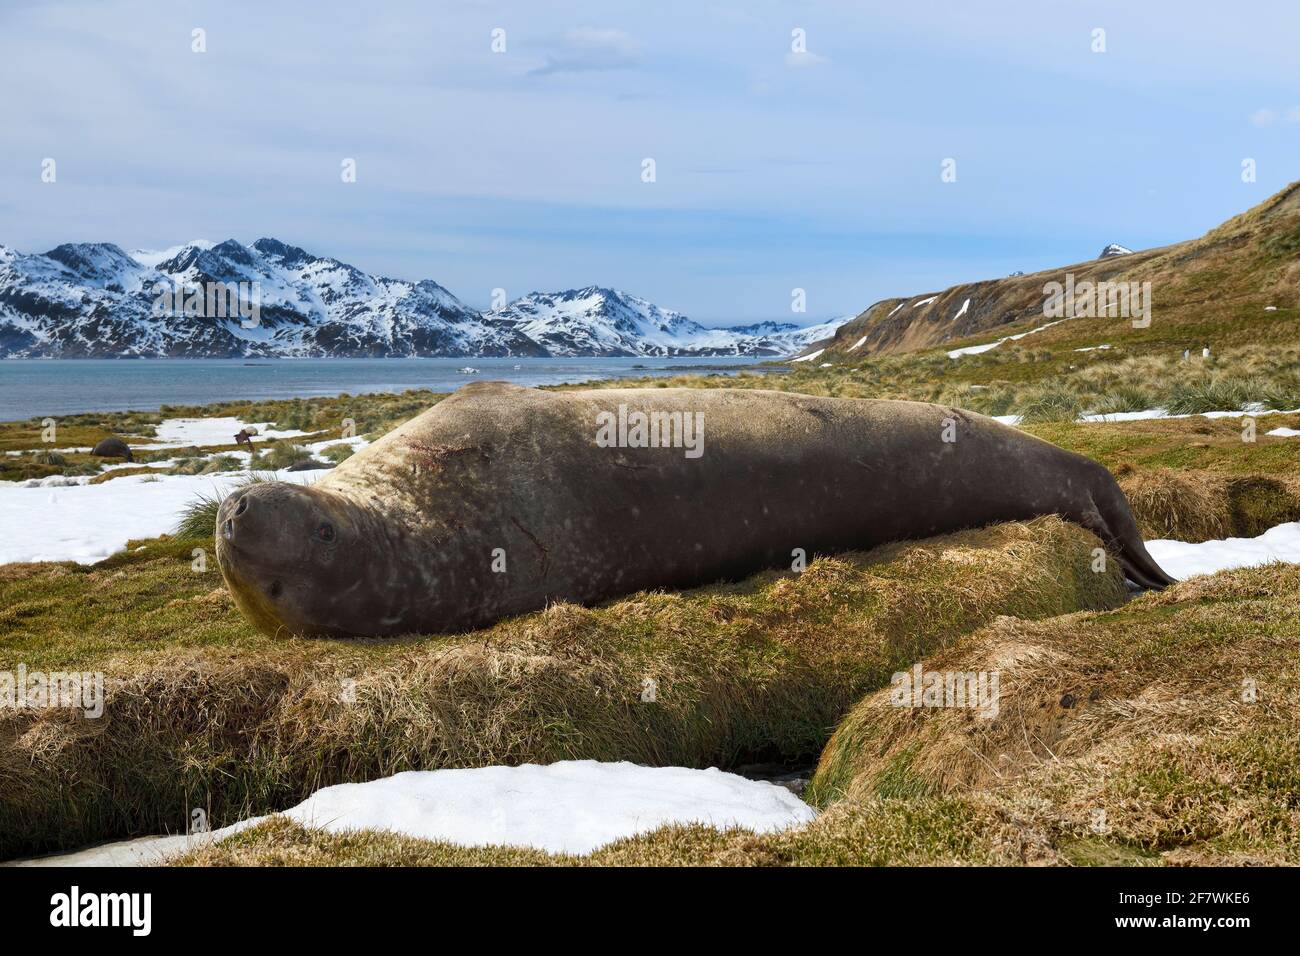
{"points": [[35, 388]]}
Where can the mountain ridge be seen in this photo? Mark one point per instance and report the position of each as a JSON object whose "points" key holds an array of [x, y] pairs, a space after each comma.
{"points": [[96, 300]]}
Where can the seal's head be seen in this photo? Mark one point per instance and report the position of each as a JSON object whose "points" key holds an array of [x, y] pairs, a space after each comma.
{"points": [[300, 560]]}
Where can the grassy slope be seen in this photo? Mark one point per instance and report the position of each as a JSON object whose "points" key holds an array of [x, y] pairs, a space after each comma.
{"points": [[202, 711], [1211, 289], [1124, 737]]}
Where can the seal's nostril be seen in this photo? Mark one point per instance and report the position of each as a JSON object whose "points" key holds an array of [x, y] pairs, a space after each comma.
{"points": [[228, 529], [242, 506]]}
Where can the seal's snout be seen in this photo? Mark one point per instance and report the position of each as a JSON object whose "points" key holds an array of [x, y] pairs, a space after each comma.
{"points": [[260, 516], [231, 514], [236, 507], [291, 560]]}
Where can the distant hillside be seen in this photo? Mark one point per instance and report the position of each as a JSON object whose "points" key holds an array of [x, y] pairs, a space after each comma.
{"points": [[1217, 287]]}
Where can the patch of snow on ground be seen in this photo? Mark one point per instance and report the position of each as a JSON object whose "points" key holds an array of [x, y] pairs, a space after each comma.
{"points": [[1284, 432], [1095, 348], [573, 806], [858, 344], [809, 358], [182, 432], [962, 311], [977, 349], [86, 523], [1252, 409], [1183, 560], [916, 305]]}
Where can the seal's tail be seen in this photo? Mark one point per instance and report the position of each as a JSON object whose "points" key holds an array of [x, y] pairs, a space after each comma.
{"points": [[1111, 519]]}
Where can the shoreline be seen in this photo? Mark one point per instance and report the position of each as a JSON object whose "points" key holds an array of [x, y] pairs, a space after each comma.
{"points": [[54, 388]]}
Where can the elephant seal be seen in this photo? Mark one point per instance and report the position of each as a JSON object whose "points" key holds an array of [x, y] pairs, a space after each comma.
{"points": [[309, 464], [112, 447], [500, 499]]}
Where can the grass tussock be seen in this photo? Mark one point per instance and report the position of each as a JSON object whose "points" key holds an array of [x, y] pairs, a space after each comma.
{"points": [[199, 518], [1049, 404], [1168, 727], [338, 453], [201, 711], [280, 454], [1204, 506]]}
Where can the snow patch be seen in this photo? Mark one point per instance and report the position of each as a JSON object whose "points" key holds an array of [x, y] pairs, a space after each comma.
{"points": [[573, 806], [1184, 560], [977, 349], [184, 432], [75, 521], [1253, 409]]}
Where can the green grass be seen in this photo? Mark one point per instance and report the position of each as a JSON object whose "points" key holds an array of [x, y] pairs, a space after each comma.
{"points": [[1049, 404], [337, 453], [199, 519], [280, 454]]}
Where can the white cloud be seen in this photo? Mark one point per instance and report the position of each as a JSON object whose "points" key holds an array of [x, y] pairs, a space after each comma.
{"points": [[1264, 117], [589, 48], [1293, 115], [804, 60]]}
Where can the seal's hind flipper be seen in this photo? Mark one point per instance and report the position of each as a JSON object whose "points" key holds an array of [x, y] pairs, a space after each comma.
{"points": [[1111, 519]]}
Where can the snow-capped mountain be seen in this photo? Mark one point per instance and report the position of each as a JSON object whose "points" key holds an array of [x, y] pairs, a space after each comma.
{"points": [[1114, 249], [94, 300], [599, 321]]}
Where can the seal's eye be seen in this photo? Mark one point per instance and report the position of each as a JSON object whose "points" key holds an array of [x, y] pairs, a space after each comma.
{"points": [[325, 532]]}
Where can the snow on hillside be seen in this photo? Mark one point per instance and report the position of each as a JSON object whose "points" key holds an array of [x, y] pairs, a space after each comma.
{"points": [[600, 321], [95, 300], [152, 258]]}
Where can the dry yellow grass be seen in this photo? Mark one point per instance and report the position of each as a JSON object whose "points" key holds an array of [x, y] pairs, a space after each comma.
{"points": [[1166, 732], [1204, 506]]}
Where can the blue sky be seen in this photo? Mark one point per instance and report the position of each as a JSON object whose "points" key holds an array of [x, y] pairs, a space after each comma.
{"points": [[774, 170]]}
